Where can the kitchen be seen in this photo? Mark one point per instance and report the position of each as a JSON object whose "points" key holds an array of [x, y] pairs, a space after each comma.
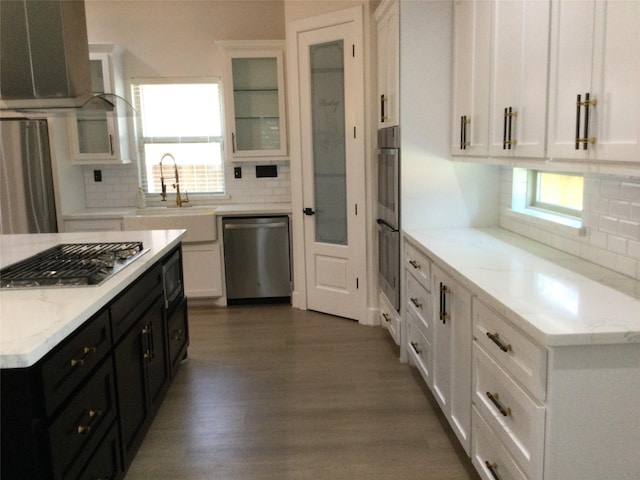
{"points": [[476, 194]]}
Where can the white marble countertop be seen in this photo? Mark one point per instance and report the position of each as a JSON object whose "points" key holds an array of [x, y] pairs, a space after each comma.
{"points": [[33, 321], [555, 298], [221, 209]]}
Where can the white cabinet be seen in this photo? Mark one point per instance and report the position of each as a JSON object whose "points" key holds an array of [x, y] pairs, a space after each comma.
{"points": [[452, 354], [387, 17], [594, 97], [202, 269], [256, 126], [471, 77], [519, 78], [99, 137], [390, 318]]}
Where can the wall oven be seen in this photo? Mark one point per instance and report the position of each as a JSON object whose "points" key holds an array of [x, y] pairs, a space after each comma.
{"points": [[389, 213]]}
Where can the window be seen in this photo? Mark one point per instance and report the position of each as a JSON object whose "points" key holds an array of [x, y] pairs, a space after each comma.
{"points": [[556, 192], [182, 118]]}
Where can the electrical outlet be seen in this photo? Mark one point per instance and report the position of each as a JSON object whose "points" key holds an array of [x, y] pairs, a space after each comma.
{"points": [[237, 172], [97, 175]]}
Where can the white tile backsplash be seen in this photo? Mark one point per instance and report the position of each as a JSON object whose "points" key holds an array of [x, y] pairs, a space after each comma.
{"points": [[611, 217], [119, 186]]}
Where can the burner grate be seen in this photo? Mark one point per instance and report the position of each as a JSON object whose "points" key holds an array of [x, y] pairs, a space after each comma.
{"points": [[71, 264]]}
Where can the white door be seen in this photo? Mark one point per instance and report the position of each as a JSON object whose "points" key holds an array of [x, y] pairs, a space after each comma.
{"points": [[332, 148]]}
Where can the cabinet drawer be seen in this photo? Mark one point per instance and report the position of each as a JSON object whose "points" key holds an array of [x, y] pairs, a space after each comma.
{"points": [[390, 319], [419, 302], [69, 365], [128, 307], [418, 346], [178, 332], [105, 462], [516, 419], [418, 264], [77, 431], [525, 360], [489, 457]]}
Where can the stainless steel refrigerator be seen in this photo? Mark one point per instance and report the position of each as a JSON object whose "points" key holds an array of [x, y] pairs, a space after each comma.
{"points": [[27, 202]]}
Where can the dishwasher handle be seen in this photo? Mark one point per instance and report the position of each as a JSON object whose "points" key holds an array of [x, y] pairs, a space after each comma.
{"points": [[253, 226]]}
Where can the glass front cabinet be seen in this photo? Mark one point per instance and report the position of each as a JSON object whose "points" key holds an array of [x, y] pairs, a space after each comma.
{"points": [[256, 127], [101, 137]]}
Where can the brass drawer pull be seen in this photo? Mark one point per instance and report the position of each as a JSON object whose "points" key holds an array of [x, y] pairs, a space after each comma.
{"points": [[414, 345], [495, 338], [415, 301], [492, 469], [494, 399], [386, 317], [87, 428], [85, 352], [414, 264], [177, 334]]}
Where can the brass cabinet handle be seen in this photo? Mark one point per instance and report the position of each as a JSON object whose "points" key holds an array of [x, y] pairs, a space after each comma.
{"points": [[505, 411], [177, 334], [443, 314], [386, 317], [86, 351], [93, 414], [492, 469], [585, 140], [495, 338], [464, 121], [383, 101], [414, 264], [415, 301], [414, 345], [507, 140]]}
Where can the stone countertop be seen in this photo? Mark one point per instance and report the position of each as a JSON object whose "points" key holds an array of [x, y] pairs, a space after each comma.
{"points": [[221, 209], [33, 321], [555, 298]]}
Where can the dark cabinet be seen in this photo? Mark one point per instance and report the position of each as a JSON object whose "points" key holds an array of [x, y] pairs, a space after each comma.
{"points": [[143, 376], [82, 411]]}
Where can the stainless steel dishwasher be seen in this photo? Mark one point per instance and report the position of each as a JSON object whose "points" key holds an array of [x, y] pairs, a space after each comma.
{"points": [[257, 259]]}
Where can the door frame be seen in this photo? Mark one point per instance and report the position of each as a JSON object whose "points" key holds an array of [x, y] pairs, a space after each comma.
{"points": [[355, 16]]}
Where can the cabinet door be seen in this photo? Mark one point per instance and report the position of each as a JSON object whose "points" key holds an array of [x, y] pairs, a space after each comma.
{"points": [[100, 137], [471, 77], [452, 354], [594, 51], [156, 353], [519, 78], [256, 120], [388, 30]]}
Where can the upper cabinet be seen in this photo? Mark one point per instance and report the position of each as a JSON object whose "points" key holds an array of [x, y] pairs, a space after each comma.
{"points": [[99, 137], [256, 127], [387, 17], [519, 73], [594, 96], [471, 74]]}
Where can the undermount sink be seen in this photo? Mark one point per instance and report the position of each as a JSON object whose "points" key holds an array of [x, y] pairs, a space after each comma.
{"points": [[199, 222]]}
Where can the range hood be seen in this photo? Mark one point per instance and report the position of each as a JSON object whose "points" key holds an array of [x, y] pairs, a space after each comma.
{"points": [[44, 57]]}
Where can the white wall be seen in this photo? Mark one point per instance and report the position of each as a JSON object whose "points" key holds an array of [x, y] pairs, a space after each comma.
{"points": [[175, 38], [436, 192]]}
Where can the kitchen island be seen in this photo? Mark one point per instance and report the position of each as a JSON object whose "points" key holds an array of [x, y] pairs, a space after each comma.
{"points": [[85, 369]]}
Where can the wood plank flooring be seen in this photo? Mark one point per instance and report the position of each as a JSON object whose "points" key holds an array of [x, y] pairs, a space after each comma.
{"points": [[272, 392]]}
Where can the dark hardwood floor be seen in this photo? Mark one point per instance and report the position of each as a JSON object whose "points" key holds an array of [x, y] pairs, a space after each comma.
{"points": [[272, 392]]}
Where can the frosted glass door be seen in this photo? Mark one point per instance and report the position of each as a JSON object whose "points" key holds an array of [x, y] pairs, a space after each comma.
{"points": [[328, 125]]}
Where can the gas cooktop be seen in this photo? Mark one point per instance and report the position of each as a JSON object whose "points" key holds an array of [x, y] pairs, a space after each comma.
{"points": [[71, 265]]}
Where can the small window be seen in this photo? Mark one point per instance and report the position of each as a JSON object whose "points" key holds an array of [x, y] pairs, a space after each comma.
{"points": [[556, 192], [183, 118]]}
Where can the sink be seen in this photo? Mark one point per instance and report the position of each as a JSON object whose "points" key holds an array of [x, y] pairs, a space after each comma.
{"points": [[200, 222]]}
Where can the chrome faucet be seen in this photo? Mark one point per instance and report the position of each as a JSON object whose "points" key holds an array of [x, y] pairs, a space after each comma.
{"points": [[179, 199]]}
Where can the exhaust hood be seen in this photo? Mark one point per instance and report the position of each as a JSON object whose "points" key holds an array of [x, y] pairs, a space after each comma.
{"points": [[44, 57]]}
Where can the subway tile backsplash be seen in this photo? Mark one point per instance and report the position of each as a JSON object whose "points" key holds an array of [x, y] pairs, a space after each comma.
{"points": [[611, 215], [119, 186]]}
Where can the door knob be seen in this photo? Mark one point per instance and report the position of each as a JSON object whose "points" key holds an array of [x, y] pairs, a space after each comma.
{"points": [[308, 211]]}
